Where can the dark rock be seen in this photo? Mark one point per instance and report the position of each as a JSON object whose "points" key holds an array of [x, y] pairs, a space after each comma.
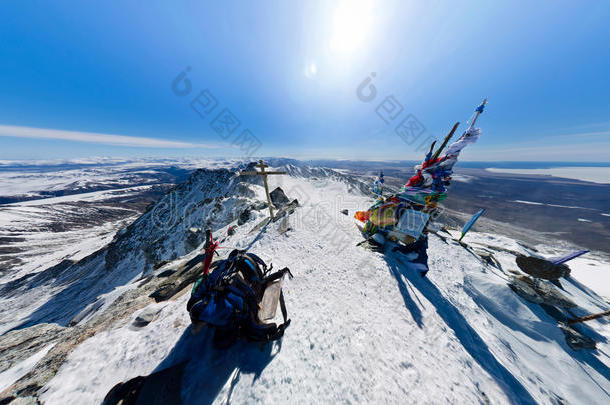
{"points": [[345, 212], [278, 198], [539, 292], [190, 265], [145, 317], [259, 206], [286, 210], [575, 339], [7, 400], [542, 268], [166, 273], [163, 293], [180, 280], [524, 288], [194, 238], [145, 280], [487, 257], [555, 313], [160, 264], [244, 217]]}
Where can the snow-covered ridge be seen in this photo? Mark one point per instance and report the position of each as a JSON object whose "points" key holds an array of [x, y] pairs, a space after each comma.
{"points": [[210, 198], [364, 327]]}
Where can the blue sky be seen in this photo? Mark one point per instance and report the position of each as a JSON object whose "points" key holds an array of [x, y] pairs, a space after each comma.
{"points": [[82, 80]]}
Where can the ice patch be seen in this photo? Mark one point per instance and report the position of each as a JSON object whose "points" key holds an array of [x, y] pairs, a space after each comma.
{"points": [[599, 175], [553, 205]]}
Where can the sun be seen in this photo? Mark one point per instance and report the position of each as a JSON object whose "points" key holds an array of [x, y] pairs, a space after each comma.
{"points": [[351, 25]]}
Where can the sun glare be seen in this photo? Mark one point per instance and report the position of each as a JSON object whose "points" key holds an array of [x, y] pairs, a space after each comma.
{"points": [[351, 25], [311, 70]]}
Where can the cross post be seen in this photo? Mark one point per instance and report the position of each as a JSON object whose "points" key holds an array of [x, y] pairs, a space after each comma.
{"points": [[261, 165]]}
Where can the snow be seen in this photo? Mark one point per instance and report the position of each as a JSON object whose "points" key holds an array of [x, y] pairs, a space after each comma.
{"points": [[110, 357], [14, 373], [592, 269], [463, 178], [591, 174], [551, 205], [595, 274], [365, 328]]}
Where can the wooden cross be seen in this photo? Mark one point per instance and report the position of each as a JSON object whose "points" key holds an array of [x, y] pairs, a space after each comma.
{"points": [[263, 173]]}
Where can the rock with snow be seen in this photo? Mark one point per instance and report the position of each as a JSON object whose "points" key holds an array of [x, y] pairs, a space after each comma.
{"points": [[146, 316], [244, 216], [575, 339], [194, 238], [278, 198], [287, 209], [166, 273], [539, 291]]}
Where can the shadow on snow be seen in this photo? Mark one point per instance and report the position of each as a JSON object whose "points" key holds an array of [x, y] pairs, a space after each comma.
{"points": [[195, 372], [468, 337]]}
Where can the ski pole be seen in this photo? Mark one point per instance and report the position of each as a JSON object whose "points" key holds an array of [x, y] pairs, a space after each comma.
{"points": [[588, 317]]}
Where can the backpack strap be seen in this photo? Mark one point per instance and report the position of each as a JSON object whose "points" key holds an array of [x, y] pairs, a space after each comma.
{"points": [[278, 274], [258, 261], [282, 327]]}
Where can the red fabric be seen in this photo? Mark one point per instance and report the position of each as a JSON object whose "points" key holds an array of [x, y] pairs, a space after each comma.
{"points": [[209, 253], [362, 215], [417, 179]]}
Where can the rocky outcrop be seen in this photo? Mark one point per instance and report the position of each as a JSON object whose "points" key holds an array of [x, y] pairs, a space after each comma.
{"points": [[575, 339], [146, 316], [542, 268], [169, 229], [20, 344], [287, 209], [194, 238], [539, 292], [244, 216], [278, 198]]}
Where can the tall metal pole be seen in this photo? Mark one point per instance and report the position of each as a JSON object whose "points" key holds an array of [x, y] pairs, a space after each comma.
{"points": [[476, 116]]}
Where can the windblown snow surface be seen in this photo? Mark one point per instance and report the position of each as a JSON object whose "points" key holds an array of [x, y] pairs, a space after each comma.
{"points": [[365, 328]]}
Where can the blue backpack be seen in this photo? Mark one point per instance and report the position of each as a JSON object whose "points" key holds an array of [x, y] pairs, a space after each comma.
{"points": [[229, 298]]}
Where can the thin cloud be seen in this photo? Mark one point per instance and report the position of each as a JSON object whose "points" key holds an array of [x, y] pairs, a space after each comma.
{"points": [[93, 137]]}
